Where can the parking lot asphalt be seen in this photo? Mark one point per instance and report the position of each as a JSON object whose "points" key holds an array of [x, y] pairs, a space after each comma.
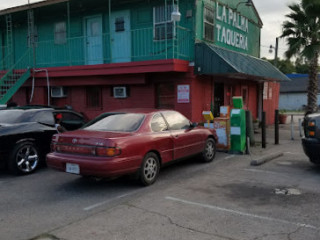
{"points": [[226, 199]]}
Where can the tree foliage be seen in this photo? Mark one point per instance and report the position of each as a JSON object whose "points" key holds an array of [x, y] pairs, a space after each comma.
{"points": [[286, 66], [302, 33]]}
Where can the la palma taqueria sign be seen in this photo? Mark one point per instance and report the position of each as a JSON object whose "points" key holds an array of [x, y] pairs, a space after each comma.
{"points": [[232, 29]]}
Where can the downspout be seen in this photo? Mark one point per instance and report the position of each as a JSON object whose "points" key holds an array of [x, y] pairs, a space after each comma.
{"points": [[110, 41], [69, 35], [166, 28], [174, 31], [33, 83]]}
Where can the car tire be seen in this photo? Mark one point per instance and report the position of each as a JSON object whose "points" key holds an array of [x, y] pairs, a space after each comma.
{"points": [[149, 170], [209, 151], [24, 158]]}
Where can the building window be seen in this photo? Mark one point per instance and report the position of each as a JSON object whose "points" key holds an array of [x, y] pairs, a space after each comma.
{"points": [[208, 19], [119, 24], [163, 25], [60, 33], [94, 97], [166, 95]]}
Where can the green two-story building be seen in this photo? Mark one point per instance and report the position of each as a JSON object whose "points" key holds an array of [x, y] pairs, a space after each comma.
{"points": [[102, 55]]}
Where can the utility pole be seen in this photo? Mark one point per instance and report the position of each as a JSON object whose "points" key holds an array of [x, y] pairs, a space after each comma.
{"points": [[275, 51]]}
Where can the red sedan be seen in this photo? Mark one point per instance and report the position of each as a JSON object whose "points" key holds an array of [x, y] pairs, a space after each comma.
{"points": [[131, 141]]}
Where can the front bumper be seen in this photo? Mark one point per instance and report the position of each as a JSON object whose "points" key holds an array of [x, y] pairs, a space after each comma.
{"points": [[311, 147], [93, 166]]}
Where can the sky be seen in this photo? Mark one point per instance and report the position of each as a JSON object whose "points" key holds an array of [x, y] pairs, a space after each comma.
{"points": [[272, 13]]}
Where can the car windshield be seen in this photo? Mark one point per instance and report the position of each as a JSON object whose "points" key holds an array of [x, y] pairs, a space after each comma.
{"points": [[129, 122]]}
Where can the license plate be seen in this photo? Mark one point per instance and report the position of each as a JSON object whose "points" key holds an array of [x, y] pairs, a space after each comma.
{"points": [[72, 168]]}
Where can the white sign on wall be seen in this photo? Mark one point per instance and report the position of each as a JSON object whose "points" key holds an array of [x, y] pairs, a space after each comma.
{"points": [[183, 93], [265, 91]]}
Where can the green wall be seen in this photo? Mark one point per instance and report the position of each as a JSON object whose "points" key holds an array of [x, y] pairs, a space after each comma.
{"points": [[222, 28], [143, 46]]}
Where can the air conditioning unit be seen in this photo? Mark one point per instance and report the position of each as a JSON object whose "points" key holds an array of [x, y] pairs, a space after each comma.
{"points": [[120, 92], [58, 92]]}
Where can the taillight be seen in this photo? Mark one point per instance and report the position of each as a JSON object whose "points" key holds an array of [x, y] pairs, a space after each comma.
{"points": [[311, 129], [54, 141], [108, 151], [312, 133], [86, 150], [311, 124], [82, 150]]}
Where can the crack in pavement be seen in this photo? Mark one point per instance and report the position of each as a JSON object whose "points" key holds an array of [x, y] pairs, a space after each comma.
{"points": [[294, 232], [178, 225]]}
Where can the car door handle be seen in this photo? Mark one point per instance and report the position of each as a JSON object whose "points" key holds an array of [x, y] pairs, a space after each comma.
{"points": [[176, 136]]}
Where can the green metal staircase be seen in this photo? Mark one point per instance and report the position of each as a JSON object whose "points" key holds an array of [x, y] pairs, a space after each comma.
{"points": [[14, 77]]}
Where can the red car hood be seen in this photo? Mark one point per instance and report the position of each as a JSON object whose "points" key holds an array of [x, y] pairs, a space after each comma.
{"points": [[96, 138]]}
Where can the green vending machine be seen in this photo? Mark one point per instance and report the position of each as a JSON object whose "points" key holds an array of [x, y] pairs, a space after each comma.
{"points": [[238, 126]]}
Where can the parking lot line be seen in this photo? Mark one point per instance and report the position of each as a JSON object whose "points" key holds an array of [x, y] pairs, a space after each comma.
{"points": [[229, 157], [261, 171], [108, 201], [243, 214]]}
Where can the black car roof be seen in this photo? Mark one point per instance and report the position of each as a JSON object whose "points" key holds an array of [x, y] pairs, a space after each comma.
{"points": [[40, 109]]}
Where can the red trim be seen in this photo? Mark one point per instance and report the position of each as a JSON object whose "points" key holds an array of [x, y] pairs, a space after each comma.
{"points": [[90, 80], [170, 65]]}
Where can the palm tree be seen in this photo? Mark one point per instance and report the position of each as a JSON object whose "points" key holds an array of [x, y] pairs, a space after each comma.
{"points": [[302, 32]]}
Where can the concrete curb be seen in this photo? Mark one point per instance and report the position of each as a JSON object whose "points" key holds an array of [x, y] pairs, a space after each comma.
{"points": [[265, 158]]}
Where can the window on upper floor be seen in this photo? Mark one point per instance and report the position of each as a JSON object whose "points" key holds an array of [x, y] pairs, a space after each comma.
{"points": [[163, 24], [208, 20], [60, 33]]}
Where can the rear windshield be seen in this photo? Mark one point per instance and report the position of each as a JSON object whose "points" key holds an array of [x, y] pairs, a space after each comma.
{"points": [[12, 116], [21, 116], [129, 122]]}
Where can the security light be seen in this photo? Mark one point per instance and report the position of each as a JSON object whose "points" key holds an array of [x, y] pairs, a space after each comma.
{"points": [[176, 15]]}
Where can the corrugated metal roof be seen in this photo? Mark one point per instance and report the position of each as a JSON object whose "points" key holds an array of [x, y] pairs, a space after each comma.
{"points": [[32, 5], [298, 84], [213, 60]]}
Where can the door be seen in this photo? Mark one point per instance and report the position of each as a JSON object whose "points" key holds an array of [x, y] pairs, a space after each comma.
{"points": [[165, 95], [245, 96], [218, 98], [120, 36], [186, 141], [94, 48]]}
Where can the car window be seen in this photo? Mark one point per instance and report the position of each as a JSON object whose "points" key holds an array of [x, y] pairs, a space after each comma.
{"points": [[158, 124], [176, 120], [71, 116], [101, 116], [45, 117], [129, 122]]}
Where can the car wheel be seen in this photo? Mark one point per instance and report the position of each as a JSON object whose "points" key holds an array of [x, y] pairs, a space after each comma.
{"points": [[209, 151], [150, 169], [24, 158]]}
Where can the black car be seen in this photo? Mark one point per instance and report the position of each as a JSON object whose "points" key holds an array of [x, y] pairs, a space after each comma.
{"points": [[311, 141], [25, 135]]}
